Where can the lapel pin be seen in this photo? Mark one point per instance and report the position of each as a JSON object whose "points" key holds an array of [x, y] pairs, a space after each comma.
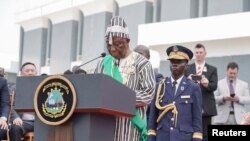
{"points": [[182, 88]]}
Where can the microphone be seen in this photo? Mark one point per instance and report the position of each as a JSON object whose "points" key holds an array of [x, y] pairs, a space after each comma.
{"points": [[77, 67]]}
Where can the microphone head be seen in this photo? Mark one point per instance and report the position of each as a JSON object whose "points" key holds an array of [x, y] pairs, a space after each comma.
{"points": [[103, 54], [74, 68]]}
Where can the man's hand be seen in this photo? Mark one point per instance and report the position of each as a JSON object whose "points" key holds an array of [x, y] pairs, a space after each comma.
{"points": [[236, 99], [140, 104], [204, 81], [3, 124], [229, 98], [190, 76], [18, 121]]}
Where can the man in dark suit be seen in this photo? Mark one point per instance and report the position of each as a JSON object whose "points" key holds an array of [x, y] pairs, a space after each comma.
{"points": [[206, 76], [24, 122], [175, 112], [5, 107]]}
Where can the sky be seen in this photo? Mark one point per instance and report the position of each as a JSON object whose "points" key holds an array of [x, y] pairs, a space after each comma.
{"points": [[9, 36]]}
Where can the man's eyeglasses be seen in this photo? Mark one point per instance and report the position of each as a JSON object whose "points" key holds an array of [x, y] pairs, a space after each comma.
{"points": [[121, 45]]}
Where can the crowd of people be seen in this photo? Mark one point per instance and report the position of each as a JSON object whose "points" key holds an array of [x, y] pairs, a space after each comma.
{"points": [[178, 107]]}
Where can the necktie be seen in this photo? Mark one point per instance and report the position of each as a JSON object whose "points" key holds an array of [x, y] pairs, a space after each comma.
{"points": [[174, 87], [199, 70], [231, 89]]}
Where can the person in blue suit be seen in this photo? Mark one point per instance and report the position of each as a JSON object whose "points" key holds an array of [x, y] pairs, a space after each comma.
{"points": [[5, 107], [176, 110]]}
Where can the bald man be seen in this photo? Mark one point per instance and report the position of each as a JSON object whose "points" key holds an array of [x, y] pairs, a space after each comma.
{"points": [[144, 51]]}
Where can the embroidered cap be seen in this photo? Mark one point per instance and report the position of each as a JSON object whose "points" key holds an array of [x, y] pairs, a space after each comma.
{"points": [[117, 27], [179, 52]]}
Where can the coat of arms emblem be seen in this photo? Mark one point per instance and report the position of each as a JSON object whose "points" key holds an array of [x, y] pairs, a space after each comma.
{"points": [[55, 100]]}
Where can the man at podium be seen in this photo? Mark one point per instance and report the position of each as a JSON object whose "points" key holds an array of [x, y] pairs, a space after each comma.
{"points": [[134, 71]]}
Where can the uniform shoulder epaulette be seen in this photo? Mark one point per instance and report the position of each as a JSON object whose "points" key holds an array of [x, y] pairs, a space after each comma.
{"points": [[163, 79]]}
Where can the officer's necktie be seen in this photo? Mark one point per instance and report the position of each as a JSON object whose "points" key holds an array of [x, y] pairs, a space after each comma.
{"points": [[174, 87], [231, 89]]}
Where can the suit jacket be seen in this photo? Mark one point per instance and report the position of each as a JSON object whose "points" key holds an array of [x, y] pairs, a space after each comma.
{"points": [[223, 107], [15, 114], [210, 72], [4, 98], [188, 102]]}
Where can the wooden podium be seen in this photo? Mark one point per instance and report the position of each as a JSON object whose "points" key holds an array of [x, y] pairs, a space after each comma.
{"points": [[99, 100]]}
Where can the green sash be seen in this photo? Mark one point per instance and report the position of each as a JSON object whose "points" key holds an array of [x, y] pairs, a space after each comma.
{"points": [[112, 70]]}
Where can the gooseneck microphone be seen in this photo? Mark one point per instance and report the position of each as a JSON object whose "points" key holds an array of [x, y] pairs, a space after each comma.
{"points": [[103, 54], [77, 67]]}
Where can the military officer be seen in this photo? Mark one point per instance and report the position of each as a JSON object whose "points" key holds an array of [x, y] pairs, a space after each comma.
{"points": [[176, 110]]}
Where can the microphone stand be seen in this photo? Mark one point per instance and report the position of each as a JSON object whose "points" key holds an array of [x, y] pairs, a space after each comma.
{"points": [[88, 61], [77, 67]]}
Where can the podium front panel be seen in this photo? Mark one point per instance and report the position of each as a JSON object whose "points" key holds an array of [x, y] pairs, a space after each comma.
{"points": [[95, 93]]}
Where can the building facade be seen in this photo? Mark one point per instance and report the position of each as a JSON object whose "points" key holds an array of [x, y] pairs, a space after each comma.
{"points": [[58, 34]]}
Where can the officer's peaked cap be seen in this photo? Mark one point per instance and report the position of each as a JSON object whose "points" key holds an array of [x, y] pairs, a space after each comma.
{"points": [[179, 52]]}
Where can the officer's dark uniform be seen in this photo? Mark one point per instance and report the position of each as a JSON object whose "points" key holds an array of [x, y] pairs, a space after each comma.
{"points": [[176, 117]]}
